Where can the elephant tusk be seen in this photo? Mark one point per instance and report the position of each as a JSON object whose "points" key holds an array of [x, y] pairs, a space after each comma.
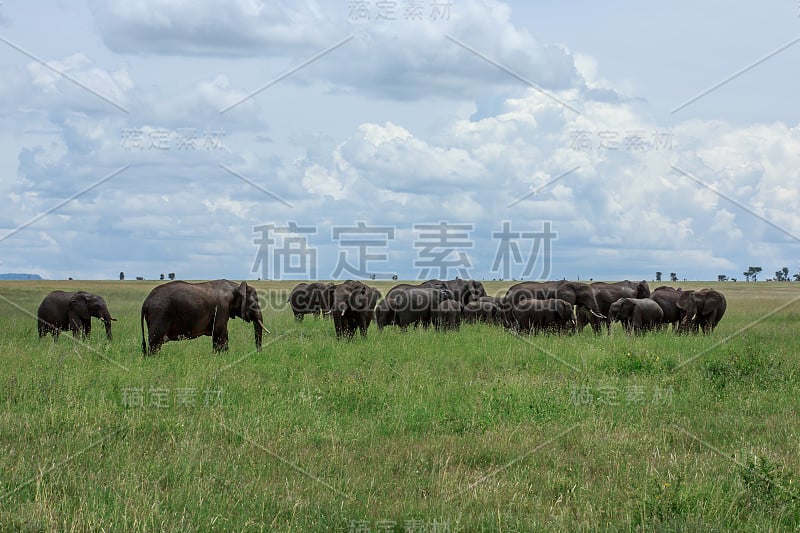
{"points": [[113, 319], [264, 328], [597, 314]]}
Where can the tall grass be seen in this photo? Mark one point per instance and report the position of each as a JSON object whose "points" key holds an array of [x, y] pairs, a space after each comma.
{"points": [[475, 430]]}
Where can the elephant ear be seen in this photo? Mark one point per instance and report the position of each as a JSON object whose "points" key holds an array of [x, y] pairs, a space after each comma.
{"points": [[628, 307], [685, 301], [242, 290], [643, 290], [79, 307], [687, 304]]}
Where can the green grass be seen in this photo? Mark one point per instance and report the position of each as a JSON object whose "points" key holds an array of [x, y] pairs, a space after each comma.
{"points": [[478, 430]]}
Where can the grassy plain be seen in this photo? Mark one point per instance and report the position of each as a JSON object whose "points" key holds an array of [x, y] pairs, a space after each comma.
{"points": [[476, 430]]}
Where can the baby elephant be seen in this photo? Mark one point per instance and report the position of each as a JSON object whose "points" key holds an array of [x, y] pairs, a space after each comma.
{"points": [[74, 311], [636, 314], [531, 315], [447, 315]]}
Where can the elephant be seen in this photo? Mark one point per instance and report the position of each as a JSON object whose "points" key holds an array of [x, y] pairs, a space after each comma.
{"points": [[702, 309], [311, 298], [74, 311], [181, 310], [574, 292], [667, 299], [353, 308], [414, 305], [446, 315], [384, 313], [607, 293], [464, 290], [485, 309], [636, 314], [384, 316], [534, 315]]}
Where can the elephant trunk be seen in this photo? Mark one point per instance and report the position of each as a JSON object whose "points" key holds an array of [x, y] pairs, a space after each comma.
{"points": [[105, 316], [258, 327]]}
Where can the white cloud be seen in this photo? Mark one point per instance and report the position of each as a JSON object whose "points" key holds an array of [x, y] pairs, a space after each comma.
{"points": [[621, 213]]}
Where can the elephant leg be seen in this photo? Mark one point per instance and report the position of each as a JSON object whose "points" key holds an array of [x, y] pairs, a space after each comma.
{"points": [[87, 328], [350, 330], [338, 326], [154, 343], [220, 340]]}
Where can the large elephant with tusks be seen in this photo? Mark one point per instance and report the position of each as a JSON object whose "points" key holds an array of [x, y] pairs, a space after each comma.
{"points": [[180, 310], [576, 293], [701, 309], [353, 308]]}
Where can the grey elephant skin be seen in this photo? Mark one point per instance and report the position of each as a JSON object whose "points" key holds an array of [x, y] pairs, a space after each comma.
{"points": [[73, 311], [406, 305], [353, 308], [464, 290], [531, 315], [667, 298], [607, 293], [576, 293], [486, 309], [311, 298], [446, 315], [181, 310], [636, 314], [702, 309]]}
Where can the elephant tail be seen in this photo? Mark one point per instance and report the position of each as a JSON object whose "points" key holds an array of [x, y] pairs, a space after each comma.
{"points": [[144, 342]]}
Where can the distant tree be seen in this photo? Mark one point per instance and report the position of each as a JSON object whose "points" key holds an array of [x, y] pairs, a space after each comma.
{"points": [[658, 276], [785, 271], [171, 275], [162, 277], [733, 280], [796, 277], [722, 277], [747, 275], [372, 277], [779, 275], [754, 270], [139, 278], [673, 277], [122, 276], [394, 277]]}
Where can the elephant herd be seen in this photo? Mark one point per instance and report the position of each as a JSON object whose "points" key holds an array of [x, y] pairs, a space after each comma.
{"points": [[552, 306], [181, 310]]}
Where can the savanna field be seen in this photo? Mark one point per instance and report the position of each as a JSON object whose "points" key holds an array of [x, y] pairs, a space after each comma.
{"points": [[475, 430]]}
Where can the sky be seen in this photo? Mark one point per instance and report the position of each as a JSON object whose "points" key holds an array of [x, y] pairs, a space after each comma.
{"points": [[343, 139]]}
